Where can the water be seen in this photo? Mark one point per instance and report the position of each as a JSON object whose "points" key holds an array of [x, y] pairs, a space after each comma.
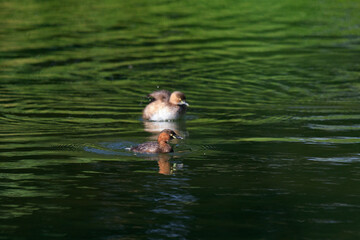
{"points": [[271, 148]]}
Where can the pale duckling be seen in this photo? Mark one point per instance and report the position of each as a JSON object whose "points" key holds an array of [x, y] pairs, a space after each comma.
{"points": [[165, 106]]}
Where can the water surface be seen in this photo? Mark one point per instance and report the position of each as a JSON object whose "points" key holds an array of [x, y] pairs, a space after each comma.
{"points": [[271, 148]]}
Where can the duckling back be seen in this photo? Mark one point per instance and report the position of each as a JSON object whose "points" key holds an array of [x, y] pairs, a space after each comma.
{"points": [[152, 147], [161, 95]]}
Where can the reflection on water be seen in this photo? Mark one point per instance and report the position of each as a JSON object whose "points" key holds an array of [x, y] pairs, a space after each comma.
{"points": [[344, 159], [156, 127], [271, 140], [166, 167]]}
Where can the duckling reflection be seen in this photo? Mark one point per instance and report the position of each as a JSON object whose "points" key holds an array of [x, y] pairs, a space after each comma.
{"points": [[156, 127], [164, 164], [166, 167], [165, 106]]}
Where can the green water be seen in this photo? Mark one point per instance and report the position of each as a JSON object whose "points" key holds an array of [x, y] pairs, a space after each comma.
{"points": [[271, 138]]}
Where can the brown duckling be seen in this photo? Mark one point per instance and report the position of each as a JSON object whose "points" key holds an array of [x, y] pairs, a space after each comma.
{"points": [[161, 146]]}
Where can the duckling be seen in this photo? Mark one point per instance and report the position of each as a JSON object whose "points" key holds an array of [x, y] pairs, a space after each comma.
{"points": [[161, 146], [165, 106], [162, 95]]}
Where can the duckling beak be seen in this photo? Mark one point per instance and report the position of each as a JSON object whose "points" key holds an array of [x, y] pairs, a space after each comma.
{"points": [[177, 136], [183, 103]]}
